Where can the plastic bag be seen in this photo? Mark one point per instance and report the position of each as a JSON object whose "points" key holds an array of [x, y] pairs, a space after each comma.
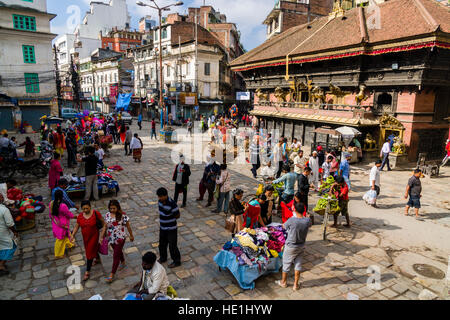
{"points": [[370, 197]]}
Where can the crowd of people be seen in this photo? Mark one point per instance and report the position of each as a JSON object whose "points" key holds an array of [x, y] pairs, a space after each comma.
{"points": [[289, 179]]}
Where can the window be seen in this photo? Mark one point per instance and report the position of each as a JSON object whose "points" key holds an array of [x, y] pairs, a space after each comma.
{"points": [[32, 82], [164, 33], [207, 69], [156, 35], [152, 73], [168, 71], [188, 67], [115, 77], [24, 22], [28, 54]]}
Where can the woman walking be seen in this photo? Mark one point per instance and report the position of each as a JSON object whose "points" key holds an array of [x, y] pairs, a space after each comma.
{"points": [[92, 228], [116, 221], [136, 145], [7, 234], [60, 216], [55, 171], [59, 141], [223, 183]]}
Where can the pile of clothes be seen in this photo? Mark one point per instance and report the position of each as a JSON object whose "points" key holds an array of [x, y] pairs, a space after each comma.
{"points": [[257, 246], [105, 183]]}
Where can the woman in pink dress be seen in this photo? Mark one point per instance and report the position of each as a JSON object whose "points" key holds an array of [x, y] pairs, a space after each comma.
{"points": [[55, 171], [60, 216]]}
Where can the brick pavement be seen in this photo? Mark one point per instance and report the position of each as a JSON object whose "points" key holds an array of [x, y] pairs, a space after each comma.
{"points": [[35, 274]]}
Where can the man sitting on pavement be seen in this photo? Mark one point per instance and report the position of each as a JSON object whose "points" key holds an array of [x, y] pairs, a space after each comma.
{"points": [[154, 279]]}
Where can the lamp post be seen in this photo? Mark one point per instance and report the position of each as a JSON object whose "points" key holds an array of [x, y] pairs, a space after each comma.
{"points": [[161, 84]]}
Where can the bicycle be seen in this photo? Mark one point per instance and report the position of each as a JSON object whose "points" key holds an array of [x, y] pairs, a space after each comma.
{"points": [[325, 216]]}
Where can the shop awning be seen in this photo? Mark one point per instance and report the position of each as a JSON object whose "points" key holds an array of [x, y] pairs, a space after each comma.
{"points": [[357, 122], [208, 101]]}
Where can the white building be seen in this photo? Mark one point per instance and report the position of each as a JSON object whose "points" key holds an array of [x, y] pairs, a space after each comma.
{"points": [[26, 60], [103, 17]]}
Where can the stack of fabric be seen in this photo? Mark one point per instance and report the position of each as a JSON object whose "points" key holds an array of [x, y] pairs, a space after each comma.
{"points": [[257, 246]]}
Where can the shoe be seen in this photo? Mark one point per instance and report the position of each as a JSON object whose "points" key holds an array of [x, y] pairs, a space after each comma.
{"points": [[208, 204], [198, 199], [161, 261], [174, 265], [214, 211]]}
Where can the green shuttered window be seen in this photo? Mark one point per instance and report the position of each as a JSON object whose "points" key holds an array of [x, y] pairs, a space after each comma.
{"points": [[28, 54], [24, 22], [32, 82]]}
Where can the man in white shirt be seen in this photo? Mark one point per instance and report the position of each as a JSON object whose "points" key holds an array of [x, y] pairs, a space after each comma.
{"points": [[268, 172], [326, 167], [375, 179], [385, 150], [153, 279], [296, 145]]}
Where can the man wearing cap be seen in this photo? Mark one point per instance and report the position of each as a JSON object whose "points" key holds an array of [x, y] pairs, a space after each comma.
{"points": [[314, 165], [181, 178], [344, 169]]}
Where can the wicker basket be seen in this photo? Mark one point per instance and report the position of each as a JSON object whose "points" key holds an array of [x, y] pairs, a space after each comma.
{"points": [[25, 224]]}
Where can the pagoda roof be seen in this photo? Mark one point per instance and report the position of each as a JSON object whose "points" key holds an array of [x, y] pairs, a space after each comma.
{"points": [[403, 25]]}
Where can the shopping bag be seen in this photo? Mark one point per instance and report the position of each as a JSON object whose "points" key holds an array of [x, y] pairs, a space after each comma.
{"points": [[217, 192], [370, 197], [230, 223], [103, 247]]}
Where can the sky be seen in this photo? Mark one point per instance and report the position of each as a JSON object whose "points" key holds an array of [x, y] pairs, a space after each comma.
{"points": [[247, 14]]}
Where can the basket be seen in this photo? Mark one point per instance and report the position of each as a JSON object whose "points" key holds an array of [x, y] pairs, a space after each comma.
{"points": [[320, 212], [25, 224]]}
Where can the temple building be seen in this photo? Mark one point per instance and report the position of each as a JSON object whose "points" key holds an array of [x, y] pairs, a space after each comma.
{"points": [[383, 69]]}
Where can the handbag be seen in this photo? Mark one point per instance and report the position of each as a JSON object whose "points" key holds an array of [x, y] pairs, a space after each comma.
{"points": [[230, 223], [98, 222], [103, 247]]}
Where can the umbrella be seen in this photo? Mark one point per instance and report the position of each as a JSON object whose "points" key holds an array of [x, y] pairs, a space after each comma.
{"points": [[348, 131]]}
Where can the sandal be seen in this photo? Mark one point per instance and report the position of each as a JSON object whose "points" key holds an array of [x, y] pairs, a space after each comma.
{"points": [[296, 288], [86, 276], [122, 267], [109, 279], [278, 282]]}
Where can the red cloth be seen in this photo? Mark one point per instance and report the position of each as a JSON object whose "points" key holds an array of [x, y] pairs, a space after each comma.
{"points": [[343, 194], [90, 234], [447, 147], [287, 211], [253, 213], [14, 194]]}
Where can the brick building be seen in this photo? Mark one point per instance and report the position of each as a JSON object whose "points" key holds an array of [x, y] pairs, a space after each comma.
{"points": [[290, 13], [121, 40]]}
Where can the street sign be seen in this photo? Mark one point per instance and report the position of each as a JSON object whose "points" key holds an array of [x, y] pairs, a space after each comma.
{"points": [[243, 96]]}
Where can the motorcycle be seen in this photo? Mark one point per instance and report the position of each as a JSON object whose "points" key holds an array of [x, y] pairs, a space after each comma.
{"points": [[35, 167], [46, 153]]}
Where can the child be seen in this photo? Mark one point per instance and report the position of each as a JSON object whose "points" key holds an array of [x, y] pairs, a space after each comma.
{"points": [[297, 228], [100, 154], [340, 190], [116, 221], [29, 147]]}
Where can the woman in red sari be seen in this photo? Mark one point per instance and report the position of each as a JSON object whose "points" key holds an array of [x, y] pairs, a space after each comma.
{"points": [[92, 236], [123, 131]]}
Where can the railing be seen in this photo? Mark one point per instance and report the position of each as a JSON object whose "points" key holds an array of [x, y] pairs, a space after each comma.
{"points": [[317, 106]]}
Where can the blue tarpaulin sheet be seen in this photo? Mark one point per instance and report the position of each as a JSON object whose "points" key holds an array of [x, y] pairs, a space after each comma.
{"points": [[245, 275], [123, 101]]}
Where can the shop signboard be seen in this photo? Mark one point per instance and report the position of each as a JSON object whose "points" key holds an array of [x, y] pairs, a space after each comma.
{"points": [[243, 96]]}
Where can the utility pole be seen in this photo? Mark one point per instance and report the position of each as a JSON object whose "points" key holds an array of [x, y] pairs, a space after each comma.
{"points": [[58, 81], [75, 83], [196, 56], [94, 104]]}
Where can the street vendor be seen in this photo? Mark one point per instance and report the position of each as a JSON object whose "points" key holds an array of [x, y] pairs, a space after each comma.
{"points": [[340, 190], [296, 145], [237, 209], [154, 279], [268, 206], [252, 216]]}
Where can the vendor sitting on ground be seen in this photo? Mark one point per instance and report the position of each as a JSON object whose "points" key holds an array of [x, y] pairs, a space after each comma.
{"points": [[268, 172], [13, 193], [154, 279]]}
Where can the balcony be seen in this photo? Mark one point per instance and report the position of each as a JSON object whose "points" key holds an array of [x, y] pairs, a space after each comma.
{"points": [[319, 112]]}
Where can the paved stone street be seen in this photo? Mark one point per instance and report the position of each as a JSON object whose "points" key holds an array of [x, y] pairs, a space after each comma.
{"points": [[383, 237]]}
